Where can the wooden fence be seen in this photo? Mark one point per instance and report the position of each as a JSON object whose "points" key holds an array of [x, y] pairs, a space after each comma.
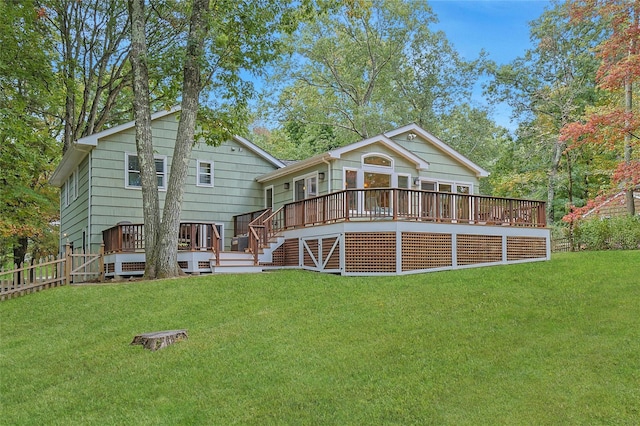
{"points": [[67, 268]]}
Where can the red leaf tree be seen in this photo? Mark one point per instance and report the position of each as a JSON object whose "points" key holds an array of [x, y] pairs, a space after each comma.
{"points": [[614, 124]]}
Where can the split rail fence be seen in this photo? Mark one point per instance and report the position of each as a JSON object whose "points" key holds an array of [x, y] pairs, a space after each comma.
{"points": [[70, 267]]}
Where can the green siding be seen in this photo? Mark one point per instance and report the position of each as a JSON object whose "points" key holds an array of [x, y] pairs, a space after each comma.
{"points": [[73, 218], [235, 190], [441, 165]]}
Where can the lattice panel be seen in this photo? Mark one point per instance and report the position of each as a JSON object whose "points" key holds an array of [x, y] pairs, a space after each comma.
{"points": [[291, 252], [203, 264], [109, 267], [479, 249], [334, 260], [370, 252], [422, 250], [277, 257], [526, 248], [311, 245], [183, 264], [132, 266]]}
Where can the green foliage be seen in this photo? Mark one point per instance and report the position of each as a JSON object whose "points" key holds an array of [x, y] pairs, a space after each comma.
{"points": [[29, 149], [364, 69], [606, 234], [552, 84], [539, 343]]}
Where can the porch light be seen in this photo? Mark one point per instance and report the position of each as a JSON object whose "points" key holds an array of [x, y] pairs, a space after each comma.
{"points": [[321, 175], [286, 185], [416, 180]]}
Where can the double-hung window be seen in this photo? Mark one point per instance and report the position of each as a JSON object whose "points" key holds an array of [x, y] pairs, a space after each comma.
{"points": [[133, 178], [70, 192], [204, 173]]}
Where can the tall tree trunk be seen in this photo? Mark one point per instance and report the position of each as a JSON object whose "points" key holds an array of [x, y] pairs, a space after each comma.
{"points": [[558, 149], [167, 260], [144, 143], [628, 149]]}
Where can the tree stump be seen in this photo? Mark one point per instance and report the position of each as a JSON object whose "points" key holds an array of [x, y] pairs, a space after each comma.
{"points": [[159, 339]]}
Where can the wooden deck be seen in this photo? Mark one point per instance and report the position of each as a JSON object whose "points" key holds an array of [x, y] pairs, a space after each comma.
{"points": [[359, 232], [395, 204]]}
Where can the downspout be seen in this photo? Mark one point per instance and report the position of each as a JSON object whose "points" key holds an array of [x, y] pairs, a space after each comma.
{"points": [[329, 177], [89, 184], [61, 248]]}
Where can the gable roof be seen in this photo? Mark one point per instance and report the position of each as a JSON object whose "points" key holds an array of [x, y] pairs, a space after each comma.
{"points": [[615, 204], [337, 153], [384, 139], [81, 148], [419, 131]]}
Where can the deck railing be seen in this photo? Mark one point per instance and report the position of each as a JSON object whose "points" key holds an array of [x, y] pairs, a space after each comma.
{"points": [[399, 204], [241, 222], [191, 237]]}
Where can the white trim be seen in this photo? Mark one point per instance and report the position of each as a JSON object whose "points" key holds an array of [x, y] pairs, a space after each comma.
{"points": [[79, 149], [337, 154], [70, 189], [377, 166], [210, 174], [64, 203], [89, 194], [305, 178], [344, 177], [155, 157], [261, 152], [92, 140], [270, 187], [407, 175], [414, 128], [454, 184]]}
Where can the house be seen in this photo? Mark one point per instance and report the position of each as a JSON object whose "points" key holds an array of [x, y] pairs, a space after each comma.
{"points": [[400, 202], [614, 206]]}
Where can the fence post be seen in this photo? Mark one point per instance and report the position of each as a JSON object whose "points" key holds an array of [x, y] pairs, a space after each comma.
{"points": [[68, 263], [101, 262]]}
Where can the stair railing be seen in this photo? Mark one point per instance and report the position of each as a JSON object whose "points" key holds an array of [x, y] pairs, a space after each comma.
{"points": [[216, 244], [258, 234]]}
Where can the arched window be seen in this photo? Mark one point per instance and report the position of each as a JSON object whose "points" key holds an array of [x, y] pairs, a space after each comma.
{"points": [[378, 160]]}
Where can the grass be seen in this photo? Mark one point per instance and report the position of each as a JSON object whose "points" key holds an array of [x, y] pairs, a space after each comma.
{"points": [[541, 343]]}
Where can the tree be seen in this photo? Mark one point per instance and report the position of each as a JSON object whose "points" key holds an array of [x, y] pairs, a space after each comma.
{"points": [[549, 87], [364, 69], [616, 122], [93, 61], [220, 43], [28, 147]]}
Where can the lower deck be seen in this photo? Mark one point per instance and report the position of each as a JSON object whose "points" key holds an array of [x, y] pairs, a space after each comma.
{"points": [[394, 248], [367, 248]]}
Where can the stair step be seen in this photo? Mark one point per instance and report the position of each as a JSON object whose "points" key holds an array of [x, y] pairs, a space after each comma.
{"points": [[235, 269]]}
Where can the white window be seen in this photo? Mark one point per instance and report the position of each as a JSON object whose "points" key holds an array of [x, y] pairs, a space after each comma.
{"points": [[70, 190], [268, 197], [450, 187], [132, 172], [204, 173], [403, 181], [305, 187], [427, 185], [63, 195], [379, 160]]}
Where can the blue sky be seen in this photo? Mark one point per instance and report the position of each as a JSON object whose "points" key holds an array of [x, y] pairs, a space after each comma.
{"points": [[499, 27]]}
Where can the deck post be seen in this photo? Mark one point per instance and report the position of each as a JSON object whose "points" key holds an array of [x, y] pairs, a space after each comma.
{"points": [[395, 204]]}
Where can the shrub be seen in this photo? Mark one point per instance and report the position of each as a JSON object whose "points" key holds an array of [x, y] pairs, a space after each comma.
{"points": [[606, 234]]}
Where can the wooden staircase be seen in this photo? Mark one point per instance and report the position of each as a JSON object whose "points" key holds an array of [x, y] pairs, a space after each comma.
{"points": [[234, 262], [237, 262]]}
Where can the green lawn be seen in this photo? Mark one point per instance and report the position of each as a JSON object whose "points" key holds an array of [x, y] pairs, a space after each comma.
{"points": [[541, 343]]}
